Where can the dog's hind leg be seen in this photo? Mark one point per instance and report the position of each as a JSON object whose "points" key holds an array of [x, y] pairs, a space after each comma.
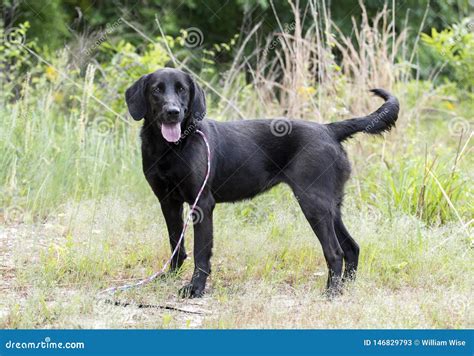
{"points": [[320, 215], [349, 246]]}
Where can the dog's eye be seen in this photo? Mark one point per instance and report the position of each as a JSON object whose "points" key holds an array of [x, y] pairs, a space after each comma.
{"points": [[158, 89], [180, 89]]}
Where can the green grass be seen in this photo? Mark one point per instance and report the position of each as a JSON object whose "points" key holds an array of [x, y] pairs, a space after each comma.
{"points": [[49, 159]]}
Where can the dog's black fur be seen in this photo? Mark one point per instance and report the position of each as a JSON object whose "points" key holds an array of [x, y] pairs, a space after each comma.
{"points": [[247, 158]]}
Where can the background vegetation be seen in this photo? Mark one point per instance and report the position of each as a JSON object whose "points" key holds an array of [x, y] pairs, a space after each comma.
{"points": [[75, 205]]}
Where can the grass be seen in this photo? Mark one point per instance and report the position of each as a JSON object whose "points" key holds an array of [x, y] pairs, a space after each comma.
{"points": [[78, 216], [264, 275]]}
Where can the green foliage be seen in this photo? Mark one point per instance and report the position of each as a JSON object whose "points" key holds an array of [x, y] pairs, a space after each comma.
{"points": [[218, 20], [13, 59], [49, 20], [455, 47]]}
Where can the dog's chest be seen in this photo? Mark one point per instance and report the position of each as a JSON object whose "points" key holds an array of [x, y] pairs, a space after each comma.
{"points": [[168, 171]]}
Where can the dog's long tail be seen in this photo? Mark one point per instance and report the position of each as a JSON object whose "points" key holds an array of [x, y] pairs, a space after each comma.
{"points": [[379, 121]]}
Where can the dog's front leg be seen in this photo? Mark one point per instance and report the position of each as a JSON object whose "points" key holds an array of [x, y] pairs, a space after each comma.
{"points": [[203, 240], [173, 214]]}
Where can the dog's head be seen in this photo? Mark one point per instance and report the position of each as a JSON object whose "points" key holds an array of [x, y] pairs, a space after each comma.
{"points": [[169, 98]]}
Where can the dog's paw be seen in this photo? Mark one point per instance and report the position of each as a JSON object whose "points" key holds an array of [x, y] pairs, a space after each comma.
{"points": [[333, 292], [349, 276], [191, 291]]}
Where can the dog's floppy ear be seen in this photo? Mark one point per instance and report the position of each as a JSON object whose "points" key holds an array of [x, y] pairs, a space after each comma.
{"points": [[135, 98], [197, 101]]}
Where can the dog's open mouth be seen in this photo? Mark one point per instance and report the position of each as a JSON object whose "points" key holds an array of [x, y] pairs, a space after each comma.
{"points": [[171, 132]]}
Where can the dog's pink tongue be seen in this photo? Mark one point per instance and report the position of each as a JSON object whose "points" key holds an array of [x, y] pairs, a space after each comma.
{"points": [[171, 132]]}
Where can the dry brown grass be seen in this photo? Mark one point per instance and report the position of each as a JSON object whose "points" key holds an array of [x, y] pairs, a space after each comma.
{"points": [[296, 71]]}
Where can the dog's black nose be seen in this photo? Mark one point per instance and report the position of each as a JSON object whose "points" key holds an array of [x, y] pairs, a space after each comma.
{"points": [[173, 111]]}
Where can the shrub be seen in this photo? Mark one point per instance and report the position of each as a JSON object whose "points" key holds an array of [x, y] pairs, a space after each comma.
{"points": [[454, 47]]}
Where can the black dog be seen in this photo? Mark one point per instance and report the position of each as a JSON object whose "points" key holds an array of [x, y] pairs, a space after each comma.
{"points": [[247, 158]]}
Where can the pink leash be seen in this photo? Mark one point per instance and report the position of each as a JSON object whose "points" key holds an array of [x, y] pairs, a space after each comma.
{"points": [[163, 270]]}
